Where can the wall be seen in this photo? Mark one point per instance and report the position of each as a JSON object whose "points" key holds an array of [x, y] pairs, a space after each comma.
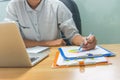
{"points": [[102, 17], [2, 9]]}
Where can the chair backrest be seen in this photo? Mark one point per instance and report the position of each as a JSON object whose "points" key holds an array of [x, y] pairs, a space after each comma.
{"points": [[72, 6]]}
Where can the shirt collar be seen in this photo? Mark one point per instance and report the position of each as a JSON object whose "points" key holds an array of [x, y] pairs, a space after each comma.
{"points": [[39, 7]]}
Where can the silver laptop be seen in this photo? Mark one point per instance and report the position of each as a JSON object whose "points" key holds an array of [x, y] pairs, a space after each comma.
{"points": [[13, 52]]}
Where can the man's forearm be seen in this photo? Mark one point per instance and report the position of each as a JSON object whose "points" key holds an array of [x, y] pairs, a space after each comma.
{"points": [[51, 43], [31, 43]]}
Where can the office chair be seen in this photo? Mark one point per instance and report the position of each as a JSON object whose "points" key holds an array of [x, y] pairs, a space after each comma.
{"points": [[72, 6]]}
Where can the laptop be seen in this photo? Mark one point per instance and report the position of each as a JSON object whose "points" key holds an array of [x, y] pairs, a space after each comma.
{"points": [[13, 52]]}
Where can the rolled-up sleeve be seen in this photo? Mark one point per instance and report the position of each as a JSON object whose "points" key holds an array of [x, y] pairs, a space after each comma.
{"points": [[66, 23]]}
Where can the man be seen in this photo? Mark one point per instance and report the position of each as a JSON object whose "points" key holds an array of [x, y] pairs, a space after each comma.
{"points": [[40, 23]]}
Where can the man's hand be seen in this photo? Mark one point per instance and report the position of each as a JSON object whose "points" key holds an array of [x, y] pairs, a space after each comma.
{"points": [[58, 42], [90, 43], [87, 45]]}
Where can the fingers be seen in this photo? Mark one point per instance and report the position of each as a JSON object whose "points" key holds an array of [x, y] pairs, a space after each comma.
{"points": [[63, 43], [91, 39], [90, 43], [89, 46]]}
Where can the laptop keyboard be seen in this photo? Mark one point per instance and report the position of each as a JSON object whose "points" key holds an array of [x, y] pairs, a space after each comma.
{"points": [[33, 58]]}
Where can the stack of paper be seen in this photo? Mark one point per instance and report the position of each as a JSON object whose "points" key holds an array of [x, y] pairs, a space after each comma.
{"points": [[70, 56]]}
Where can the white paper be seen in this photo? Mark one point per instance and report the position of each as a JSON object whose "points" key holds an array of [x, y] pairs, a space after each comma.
{"points": [[87, 61], [98, 51], [36, 49]]}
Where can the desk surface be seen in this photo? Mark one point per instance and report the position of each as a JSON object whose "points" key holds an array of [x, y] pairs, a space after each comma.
{"points": [[43, 70]]}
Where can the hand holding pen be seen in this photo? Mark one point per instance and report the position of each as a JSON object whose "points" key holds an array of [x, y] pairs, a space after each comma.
{"points": [[88, 43]]}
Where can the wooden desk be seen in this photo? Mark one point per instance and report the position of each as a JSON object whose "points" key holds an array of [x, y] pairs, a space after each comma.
{"points": [[43, 70]]}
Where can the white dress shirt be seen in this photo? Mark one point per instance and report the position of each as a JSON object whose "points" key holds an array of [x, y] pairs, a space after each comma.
{"points": [[43, 23]]}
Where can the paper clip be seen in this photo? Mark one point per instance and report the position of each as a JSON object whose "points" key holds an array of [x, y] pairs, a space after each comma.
{"points": [[81, 63]]}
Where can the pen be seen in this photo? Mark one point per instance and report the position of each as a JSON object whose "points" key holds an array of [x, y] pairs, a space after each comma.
{"points": [[86, 39]]}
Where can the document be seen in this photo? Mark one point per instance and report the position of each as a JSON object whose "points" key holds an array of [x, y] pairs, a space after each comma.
{"points": [[73, 52], [60, 62]]}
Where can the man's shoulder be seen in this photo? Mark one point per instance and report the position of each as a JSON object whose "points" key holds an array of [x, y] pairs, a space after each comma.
{"points": [[55, 3], [16, 1]]}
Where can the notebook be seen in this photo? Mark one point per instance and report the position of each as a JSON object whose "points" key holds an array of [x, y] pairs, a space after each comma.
{"points": [[73, 52], [13, 52]]}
